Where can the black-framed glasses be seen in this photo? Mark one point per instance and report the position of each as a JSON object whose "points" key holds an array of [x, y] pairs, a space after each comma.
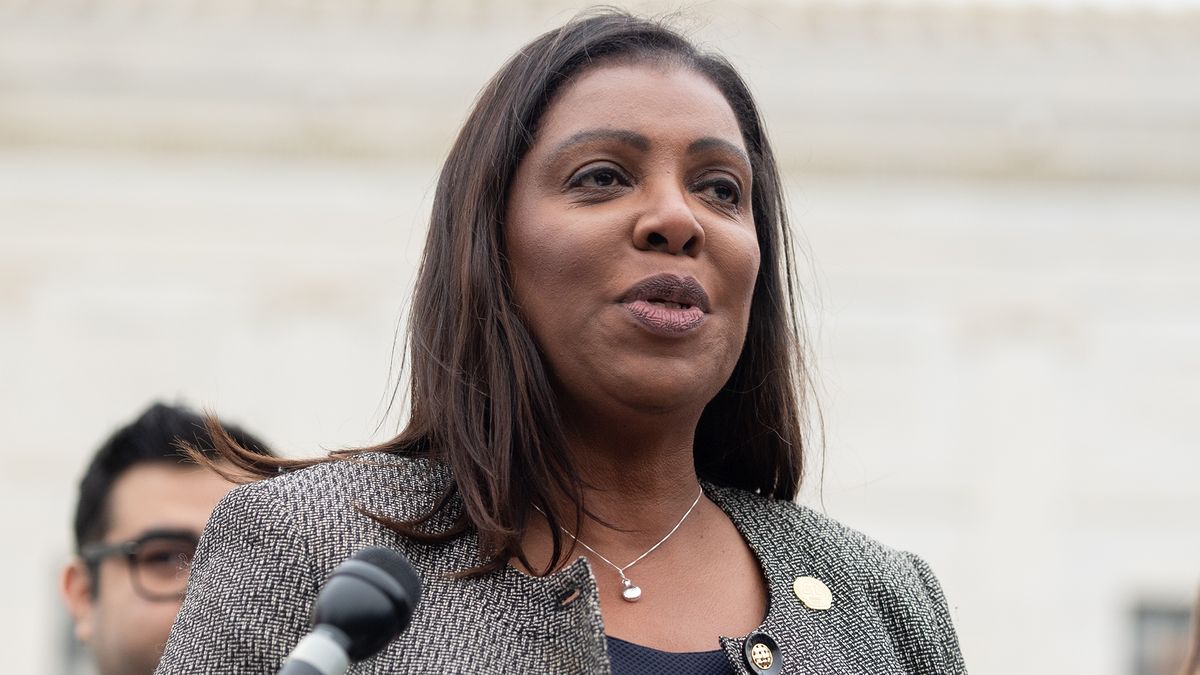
{"points": [[159, 561]]}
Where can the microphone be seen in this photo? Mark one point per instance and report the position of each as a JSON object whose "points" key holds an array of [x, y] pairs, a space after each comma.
{"points": [[366, 602]]}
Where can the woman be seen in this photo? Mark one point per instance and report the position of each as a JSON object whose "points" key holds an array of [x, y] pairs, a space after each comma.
{"points": [[605, 433]]}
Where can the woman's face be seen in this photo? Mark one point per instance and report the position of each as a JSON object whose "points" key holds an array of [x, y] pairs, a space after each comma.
{"points": [[631, 240]]}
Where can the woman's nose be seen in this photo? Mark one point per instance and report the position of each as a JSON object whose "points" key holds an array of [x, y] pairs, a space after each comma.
{"points": [[668, 224]]}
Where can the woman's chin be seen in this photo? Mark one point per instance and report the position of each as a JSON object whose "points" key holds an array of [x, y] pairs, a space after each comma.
{"points": [[652, 396]]}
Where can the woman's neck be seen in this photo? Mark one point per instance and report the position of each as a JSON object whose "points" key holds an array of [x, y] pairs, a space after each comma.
{"points": [[639, 477]]}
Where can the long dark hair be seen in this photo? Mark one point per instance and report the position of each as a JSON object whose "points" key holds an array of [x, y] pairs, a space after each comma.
{"points": [[480, 398]]}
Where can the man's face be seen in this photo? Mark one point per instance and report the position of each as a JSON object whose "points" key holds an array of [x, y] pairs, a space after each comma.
{"points": [[125, 630]]}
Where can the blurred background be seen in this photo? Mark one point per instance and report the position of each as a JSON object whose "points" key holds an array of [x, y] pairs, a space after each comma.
{"points": [[222, 203]]}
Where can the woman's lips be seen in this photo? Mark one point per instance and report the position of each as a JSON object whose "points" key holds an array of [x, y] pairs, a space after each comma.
{"points": [[667, 304], [665, 320]]}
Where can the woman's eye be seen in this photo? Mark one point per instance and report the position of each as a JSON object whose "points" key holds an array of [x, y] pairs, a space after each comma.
{"points": [[723, 192], [602, 177]]}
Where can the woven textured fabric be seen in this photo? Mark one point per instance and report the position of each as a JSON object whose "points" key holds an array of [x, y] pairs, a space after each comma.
{"points": [[269, 545], [626, 658]]}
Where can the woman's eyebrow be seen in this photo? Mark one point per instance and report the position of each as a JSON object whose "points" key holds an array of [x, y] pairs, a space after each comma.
{"points": [[713, 143], [629, 138], [640, 142]]}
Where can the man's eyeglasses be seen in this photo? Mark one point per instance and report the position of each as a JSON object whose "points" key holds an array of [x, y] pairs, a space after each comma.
{"points": [[159, 562]]}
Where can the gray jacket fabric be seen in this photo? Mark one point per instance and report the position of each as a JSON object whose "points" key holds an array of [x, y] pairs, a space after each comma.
{"points": [[269, 545]]}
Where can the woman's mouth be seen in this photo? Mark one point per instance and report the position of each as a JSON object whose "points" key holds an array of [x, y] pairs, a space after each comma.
{"points": [[667, 304]]}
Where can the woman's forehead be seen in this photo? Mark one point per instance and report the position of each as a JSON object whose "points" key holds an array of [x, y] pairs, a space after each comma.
{"points": [[658, 103]]}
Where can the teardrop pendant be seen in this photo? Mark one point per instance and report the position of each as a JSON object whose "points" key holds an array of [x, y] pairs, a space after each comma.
{"points": [[630, 593]]}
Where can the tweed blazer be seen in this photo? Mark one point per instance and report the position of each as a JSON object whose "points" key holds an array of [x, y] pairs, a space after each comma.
{"points": [[269, 545]]}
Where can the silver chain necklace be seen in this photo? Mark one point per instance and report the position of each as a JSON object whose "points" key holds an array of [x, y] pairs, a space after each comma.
{"points": [[629, 591]]}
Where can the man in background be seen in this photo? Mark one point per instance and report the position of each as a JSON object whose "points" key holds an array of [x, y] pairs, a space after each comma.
{"points": [[142, 505]]}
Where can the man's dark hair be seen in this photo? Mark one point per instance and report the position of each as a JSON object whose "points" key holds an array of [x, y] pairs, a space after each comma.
{"points": [[154, 437]]}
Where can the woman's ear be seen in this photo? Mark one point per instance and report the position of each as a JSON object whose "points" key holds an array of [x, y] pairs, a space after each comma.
{"points": [[77, 595]]}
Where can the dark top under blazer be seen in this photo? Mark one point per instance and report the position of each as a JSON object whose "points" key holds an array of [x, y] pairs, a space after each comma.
{"points": [[269, 545]]}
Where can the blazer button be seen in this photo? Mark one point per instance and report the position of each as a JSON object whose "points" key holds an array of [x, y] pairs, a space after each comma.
{"points": [[762, 654]]}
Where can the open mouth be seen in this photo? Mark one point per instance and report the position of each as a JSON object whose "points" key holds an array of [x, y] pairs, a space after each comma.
{"points": [[669, 291], [667, 305]]}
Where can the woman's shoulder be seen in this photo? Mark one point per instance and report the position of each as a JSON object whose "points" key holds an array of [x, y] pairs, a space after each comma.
{"points": [[793, 540], [378, 483], [876, 589], [800, 532], [269, 545]]}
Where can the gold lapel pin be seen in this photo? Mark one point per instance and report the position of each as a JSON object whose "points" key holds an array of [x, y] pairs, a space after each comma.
{"points": [[813, 593]]}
